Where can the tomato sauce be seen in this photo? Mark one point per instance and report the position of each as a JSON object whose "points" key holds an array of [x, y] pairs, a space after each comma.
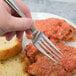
{"points": [[58, 31]]}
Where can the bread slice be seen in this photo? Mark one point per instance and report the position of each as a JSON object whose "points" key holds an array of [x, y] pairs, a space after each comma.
{"points": [[9, 48], [12, 67]]}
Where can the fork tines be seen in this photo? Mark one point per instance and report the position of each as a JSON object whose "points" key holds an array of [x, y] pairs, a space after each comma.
{"points": [[43, 43]]}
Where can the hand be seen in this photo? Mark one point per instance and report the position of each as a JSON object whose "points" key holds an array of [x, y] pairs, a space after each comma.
{"points": [[10, 23]]}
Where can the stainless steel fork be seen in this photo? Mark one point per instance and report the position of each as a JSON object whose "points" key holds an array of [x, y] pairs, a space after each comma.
{"points": [[40, 41]]}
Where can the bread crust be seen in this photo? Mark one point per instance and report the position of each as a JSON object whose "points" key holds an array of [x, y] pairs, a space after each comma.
{"points": [[10, 52]]}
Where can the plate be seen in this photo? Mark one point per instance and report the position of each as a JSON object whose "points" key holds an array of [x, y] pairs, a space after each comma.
{"points": [[40, 16]]}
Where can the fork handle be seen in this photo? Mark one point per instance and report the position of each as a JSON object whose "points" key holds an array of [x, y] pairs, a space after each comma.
{"points": [[14, 5]]}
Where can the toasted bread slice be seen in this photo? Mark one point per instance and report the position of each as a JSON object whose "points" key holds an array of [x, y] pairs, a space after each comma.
{"points": [[9, 48], [13, 67]]}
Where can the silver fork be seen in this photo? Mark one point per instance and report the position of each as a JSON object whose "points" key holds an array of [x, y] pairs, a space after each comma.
{"points": [[40, 41]]}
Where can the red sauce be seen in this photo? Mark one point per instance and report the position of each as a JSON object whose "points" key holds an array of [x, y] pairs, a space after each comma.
{"points": [[58, 31]]}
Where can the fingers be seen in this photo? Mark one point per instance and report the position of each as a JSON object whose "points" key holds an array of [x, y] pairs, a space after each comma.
{"points": [[10, 35], [19, 34], [24, 8], [20, 24], [28, 31]]}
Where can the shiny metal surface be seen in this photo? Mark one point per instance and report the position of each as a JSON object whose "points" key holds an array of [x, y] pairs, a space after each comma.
{"points": [[37, 34]]}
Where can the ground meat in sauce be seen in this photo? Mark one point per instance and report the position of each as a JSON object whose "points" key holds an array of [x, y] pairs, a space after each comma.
{"points": [[55, 28], [58, 31]]}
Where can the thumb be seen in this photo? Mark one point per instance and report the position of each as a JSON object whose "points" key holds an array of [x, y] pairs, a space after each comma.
{"points": [[20, 24]]}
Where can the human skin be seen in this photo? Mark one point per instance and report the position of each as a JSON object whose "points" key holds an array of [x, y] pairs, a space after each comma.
{"points": [[11, 23]]}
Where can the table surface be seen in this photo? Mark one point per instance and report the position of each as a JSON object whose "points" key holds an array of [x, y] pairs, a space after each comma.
{"points": [[64, 8]]}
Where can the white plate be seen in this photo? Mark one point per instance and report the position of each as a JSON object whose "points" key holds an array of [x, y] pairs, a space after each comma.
{"points": [[40, 16]]}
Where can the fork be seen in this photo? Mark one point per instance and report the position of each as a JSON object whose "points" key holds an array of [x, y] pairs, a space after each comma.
{"points": [[40, 41]]}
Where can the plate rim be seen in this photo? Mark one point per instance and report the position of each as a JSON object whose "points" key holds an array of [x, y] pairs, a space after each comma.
{"points": [[53, 16]]}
